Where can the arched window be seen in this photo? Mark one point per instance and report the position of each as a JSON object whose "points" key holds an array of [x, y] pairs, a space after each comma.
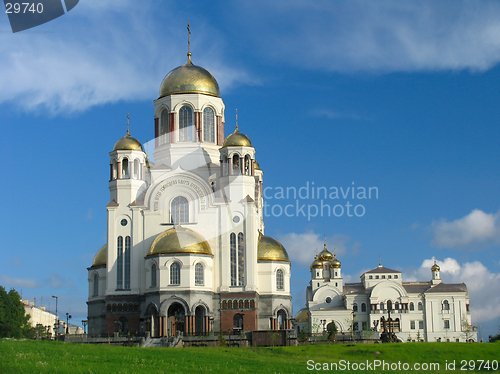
{"points": [[119, 263], [198, 275], [382, 306], [363, 307], [281, 319], [420, 306], [241, 259], [175, 274], [354, 307], [186, 124], [153, 275], [96, 285], [230, 304], [127, 262], [236, 164], [238, 321], [164, 127], [389, 305], [279, 280], [247, 169], [412, 306], [396, 306], [252, 303], [446, 305], [247, 304], [232, 240], [179, 210], [208, 125], [376, 276]]}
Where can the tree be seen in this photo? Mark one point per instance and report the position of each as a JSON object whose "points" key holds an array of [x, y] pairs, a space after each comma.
{"points": [[13, 320], [467, 330], [332, 331]]}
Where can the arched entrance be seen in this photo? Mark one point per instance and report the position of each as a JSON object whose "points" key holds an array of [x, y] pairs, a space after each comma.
{"points": [[152, 322], [200, 320], [123, 325], [282, 325], [176, 317]]}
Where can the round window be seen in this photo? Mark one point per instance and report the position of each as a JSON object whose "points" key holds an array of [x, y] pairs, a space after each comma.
{"points": [[236, 219], [123, 222], [328, 300]]}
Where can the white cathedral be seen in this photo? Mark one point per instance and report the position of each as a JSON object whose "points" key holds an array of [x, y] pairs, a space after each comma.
{"points": [[186, 250], [418, 311]]}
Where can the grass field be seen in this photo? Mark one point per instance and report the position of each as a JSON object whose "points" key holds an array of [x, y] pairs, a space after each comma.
{"points": [[56, 357]]}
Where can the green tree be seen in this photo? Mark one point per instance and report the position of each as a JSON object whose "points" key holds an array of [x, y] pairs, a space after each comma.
{"points": [[13, 320]]}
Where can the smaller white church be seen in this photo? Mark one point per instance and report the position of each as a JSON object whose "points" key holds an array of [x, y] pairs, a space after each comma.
{"points": [[418, 311]]}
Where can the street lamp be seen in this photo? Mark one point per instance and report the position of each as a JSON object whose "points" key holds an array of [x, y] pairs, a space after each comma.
{"points": [[84, 323], [68, 316], [57, 318]]}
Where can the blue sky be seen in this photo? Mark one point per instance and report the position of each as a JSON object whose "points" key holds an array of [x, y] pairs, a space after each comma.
{"points": [[397, 95]]}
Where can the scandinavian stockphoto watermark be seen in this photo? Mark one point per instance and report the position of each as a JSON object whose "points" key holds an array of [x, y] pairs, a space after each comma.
{"points": [[312, 201], [24, 15]]}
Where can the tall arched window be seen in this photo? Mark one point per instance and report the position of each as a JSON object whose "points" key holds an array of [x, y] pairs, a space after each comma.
{"points": [[198, 275], [412, 306], [241, 259], [137, 169], [420, 306], [354, 307], [446, 305], [125, 169], [280, 286], [186, 124], [232, 242], [208, 125], [179, 210], [381, 306], [363, 307], [238, 321], [119, 263], [389, 305], [127, 262], [96, 285], [175, 274], [164, 127], [153, 275]]}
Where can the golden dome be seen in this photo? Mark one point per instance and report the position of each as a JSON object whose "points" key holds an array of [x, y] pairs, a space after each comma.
{"points": [[237, 139], [435, 267], [101, 258], [189, 78], [302, 315], [270, 249], [127, 143], [179, 240], [316, 264], [256, 165], [325, 254], [335, 263]]}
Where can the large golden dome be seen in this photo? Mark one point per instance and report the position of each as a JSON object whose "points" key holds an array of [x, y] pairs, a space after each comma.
{"points": [[237, 139], [101, 258], [317, 264], [270, 249], [179, 240], [335, 263], [189, 78], [127, 143], [302, 315], [325, 254]]}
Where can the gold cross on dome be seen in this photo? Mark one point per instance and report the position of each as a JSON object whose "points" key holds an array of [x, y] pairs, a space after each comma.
{"points": [[189, 39], [128, 124]]}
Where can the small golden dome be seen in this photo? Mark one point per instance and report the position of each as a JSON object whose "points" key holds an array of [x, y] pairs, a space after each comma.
{"points": [[189, 78], [335, 263], [237, 139], [325, 254], [435, 267], [256, 165], [101, 258], [270, 249], [317, 264], [302, 315], [179, 240], [127, 143]]}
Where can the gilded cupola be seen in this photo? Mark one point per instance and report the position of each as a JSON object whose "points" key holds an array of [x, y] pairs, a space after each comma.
{"points": [[127, 143], [270, 249], [237, 139], [179, 240]]}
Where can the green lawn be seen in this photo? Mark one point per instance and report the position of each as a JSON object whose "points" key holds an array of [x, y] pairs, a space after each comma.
{"points": [[56, 357]]}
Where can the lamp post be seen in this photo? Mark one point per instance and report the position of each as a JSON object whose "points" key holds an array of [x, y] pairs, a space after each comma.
{"points": [[68, 316], [84, 323], [57, 318]]}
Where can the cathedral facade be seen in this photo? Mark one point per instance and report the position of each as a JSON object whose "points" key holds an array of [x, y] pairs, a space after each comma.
{"points": [[413, 311], [186, 250]]}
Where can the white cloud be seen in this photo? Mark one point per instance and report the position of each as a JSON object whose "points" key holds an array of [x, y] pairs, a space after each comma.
{"points": [[383, 36], [56, 281], [19, 283], [476, 228], [303, 247], [101, 53]]}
